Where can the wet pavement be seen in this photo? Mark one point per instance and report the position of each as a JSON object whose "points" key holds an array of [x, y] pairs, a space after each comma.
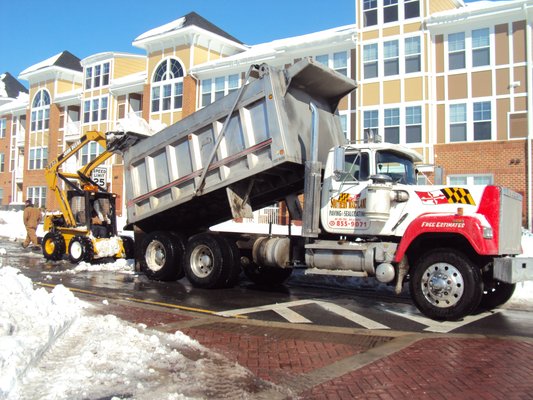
{"points": [[319, 360]]}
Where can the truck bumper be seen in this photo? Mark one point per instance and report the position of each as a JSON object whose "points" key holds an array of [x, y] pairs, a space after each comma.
{"points": [[513, 269]]}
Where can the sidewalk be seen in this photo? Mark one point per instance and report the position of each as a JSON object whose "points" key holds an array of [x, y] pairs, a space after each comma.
{"points": [[314, 362]]}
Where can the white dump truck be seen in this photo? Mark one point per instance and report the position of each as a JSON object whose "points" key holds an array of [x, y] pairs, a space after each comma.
{"points": [[278, 138]]}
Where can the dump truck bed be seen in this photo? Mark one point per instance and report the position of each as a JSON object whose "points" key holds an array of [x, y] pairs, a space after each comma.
{"points": [[171, 178]]}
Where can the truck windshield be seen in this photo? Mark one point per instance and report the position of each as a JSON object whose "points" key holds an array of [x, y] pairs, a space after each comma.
{"points": [[400, 168]]}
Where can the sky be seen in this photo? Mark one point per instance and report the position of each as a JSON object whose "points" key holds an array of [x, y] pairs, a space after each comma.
{"points": [[34, 30]]}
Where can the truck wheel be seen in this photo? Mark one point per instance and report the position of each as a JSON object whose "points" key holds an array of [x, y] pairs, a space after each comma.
{"points": [[262, 275], [496, 293], [446, 285], [210, 261], [162, 256], [80, 249], [53, 245], [129, 247]]}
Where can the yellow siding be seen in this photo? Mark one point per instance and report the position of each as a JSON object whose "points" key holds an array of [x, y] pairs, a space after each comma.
{"points": [[441, 5], [409, 28], [371, 35], [371, 94], [128, 66], [414, 89], [392, 92], [392, 31], [441, 93], [67, 86]]}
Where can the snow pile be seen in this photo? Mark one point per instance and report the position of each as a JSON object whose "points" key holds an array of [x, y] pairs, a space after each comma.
{"points": [[121, 265], [30, 322], [51, 345]]}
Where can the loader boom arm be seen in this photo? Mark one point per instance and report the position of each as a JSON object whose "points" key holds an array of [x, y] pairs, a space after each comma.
{"points": [[54, 173]]}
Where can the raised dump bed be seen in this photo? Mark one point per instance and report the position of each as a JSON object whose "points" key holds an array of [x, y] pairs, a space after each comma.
{"points": [[187, 176]]}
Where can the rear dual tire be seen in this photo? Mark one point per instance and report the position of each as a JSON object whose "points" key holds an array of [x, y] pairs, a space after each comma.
{"points": [[162, 256]]}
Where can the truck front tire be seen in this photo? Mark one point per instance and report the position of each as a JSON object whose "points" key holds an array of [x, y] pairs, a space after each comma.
{"points": [[262, 275], [211, 261], [162, 254], [446, 285]]}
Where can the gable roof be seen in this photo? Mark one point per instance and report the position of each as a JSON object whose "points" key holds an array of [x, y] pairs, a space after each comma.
{"points": [[10, 87], [188, 20], [65, 59]]}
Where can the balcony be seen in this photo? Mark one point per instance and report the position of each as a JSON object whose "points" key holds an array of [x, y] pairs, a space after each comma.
{"points": [[72, 131]]}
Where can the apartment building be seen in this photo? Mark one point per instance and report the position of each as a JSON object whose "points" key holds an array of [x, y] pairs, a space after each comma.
{"points": [[448, 79]]}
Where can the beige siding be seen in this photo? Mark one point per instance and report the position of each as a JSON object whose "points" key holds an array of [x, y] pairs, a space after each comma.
{"points": [[371, 94], [441, 92], [502, 108], [502, 44], [457, 86], [439, 53], [392, 92], [441, 123], [482, 84], [502, 81], [392, 31], [519, 41]]}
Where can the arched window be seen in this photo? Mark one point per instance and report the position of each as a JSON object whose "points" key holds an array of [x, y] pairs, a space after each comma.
{"points": [[167, 86], [40, 111]]}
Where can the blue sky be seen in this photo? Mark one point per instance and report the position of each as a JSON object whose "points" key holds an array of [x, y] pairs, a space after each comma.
{"points": [[34, 30]]}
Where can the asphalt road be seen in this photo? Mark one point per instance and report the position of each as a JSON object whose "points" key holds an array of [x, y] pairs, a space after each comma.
{"points": [[338, 302]]}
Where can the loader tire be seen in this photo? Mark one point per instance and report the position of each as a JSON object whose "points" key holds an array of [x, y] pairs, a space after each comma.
{"points": [[53, 245], [211, 261], [129, 247], [162, 254], [80, 249], [446, 285]]}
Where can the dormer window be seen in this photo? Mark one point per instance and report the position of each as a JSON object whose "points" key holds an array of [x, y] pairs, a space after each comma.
{"points": [[167, 86], [97, 76]]}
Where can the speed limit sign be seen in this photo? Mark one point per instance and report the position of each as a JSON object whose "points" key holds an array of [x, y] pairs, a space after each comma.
{"points": [[99, 176]]}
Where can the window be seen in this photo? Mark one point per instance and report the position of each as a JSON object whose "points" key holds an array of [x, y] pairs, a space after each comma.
{"points": [[95, 110], [3, 127], [482, 121], [390, 10], [167, 86], [2, 162], [463, 180], [411, 9], [370, 12], [89, 152], [370, 61], [412, 55], [37, 195], [337, 61], [391, 57], [214, 89], [456, 50], [371, 124], [206, 92], [457, 122], [392, 125], [480, 47], [40, 114], [413, 124], [97, 76], [38, 158], [344, 125], [357, 166]]}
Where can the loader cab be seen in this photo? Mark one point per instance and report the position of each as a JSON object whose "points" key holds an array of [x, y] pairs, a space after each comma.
{"points": [[85, 205]]}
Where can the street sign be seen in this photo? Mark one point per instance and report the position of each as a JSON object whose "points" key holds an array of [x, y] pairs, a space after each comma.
{"points": [[99, 176]]}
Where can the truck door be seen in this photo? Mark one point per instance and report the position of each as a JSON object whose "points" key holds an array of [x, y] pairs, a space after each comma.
{"points": [[342, 213]]}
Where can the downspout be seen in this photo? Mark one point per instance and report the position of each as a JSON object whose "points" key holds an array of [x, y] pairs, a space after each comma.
{"points": [[529, 79]]}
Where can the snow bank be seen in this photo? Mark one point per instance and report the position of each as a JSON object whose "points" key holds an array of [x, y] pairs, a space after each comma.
{"points": [[50, 344], [30, 322]]}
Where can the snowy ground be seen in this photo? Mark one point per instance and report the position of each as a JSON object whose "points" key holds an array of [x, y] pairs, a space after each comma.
{"points": [[52, 347]]}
